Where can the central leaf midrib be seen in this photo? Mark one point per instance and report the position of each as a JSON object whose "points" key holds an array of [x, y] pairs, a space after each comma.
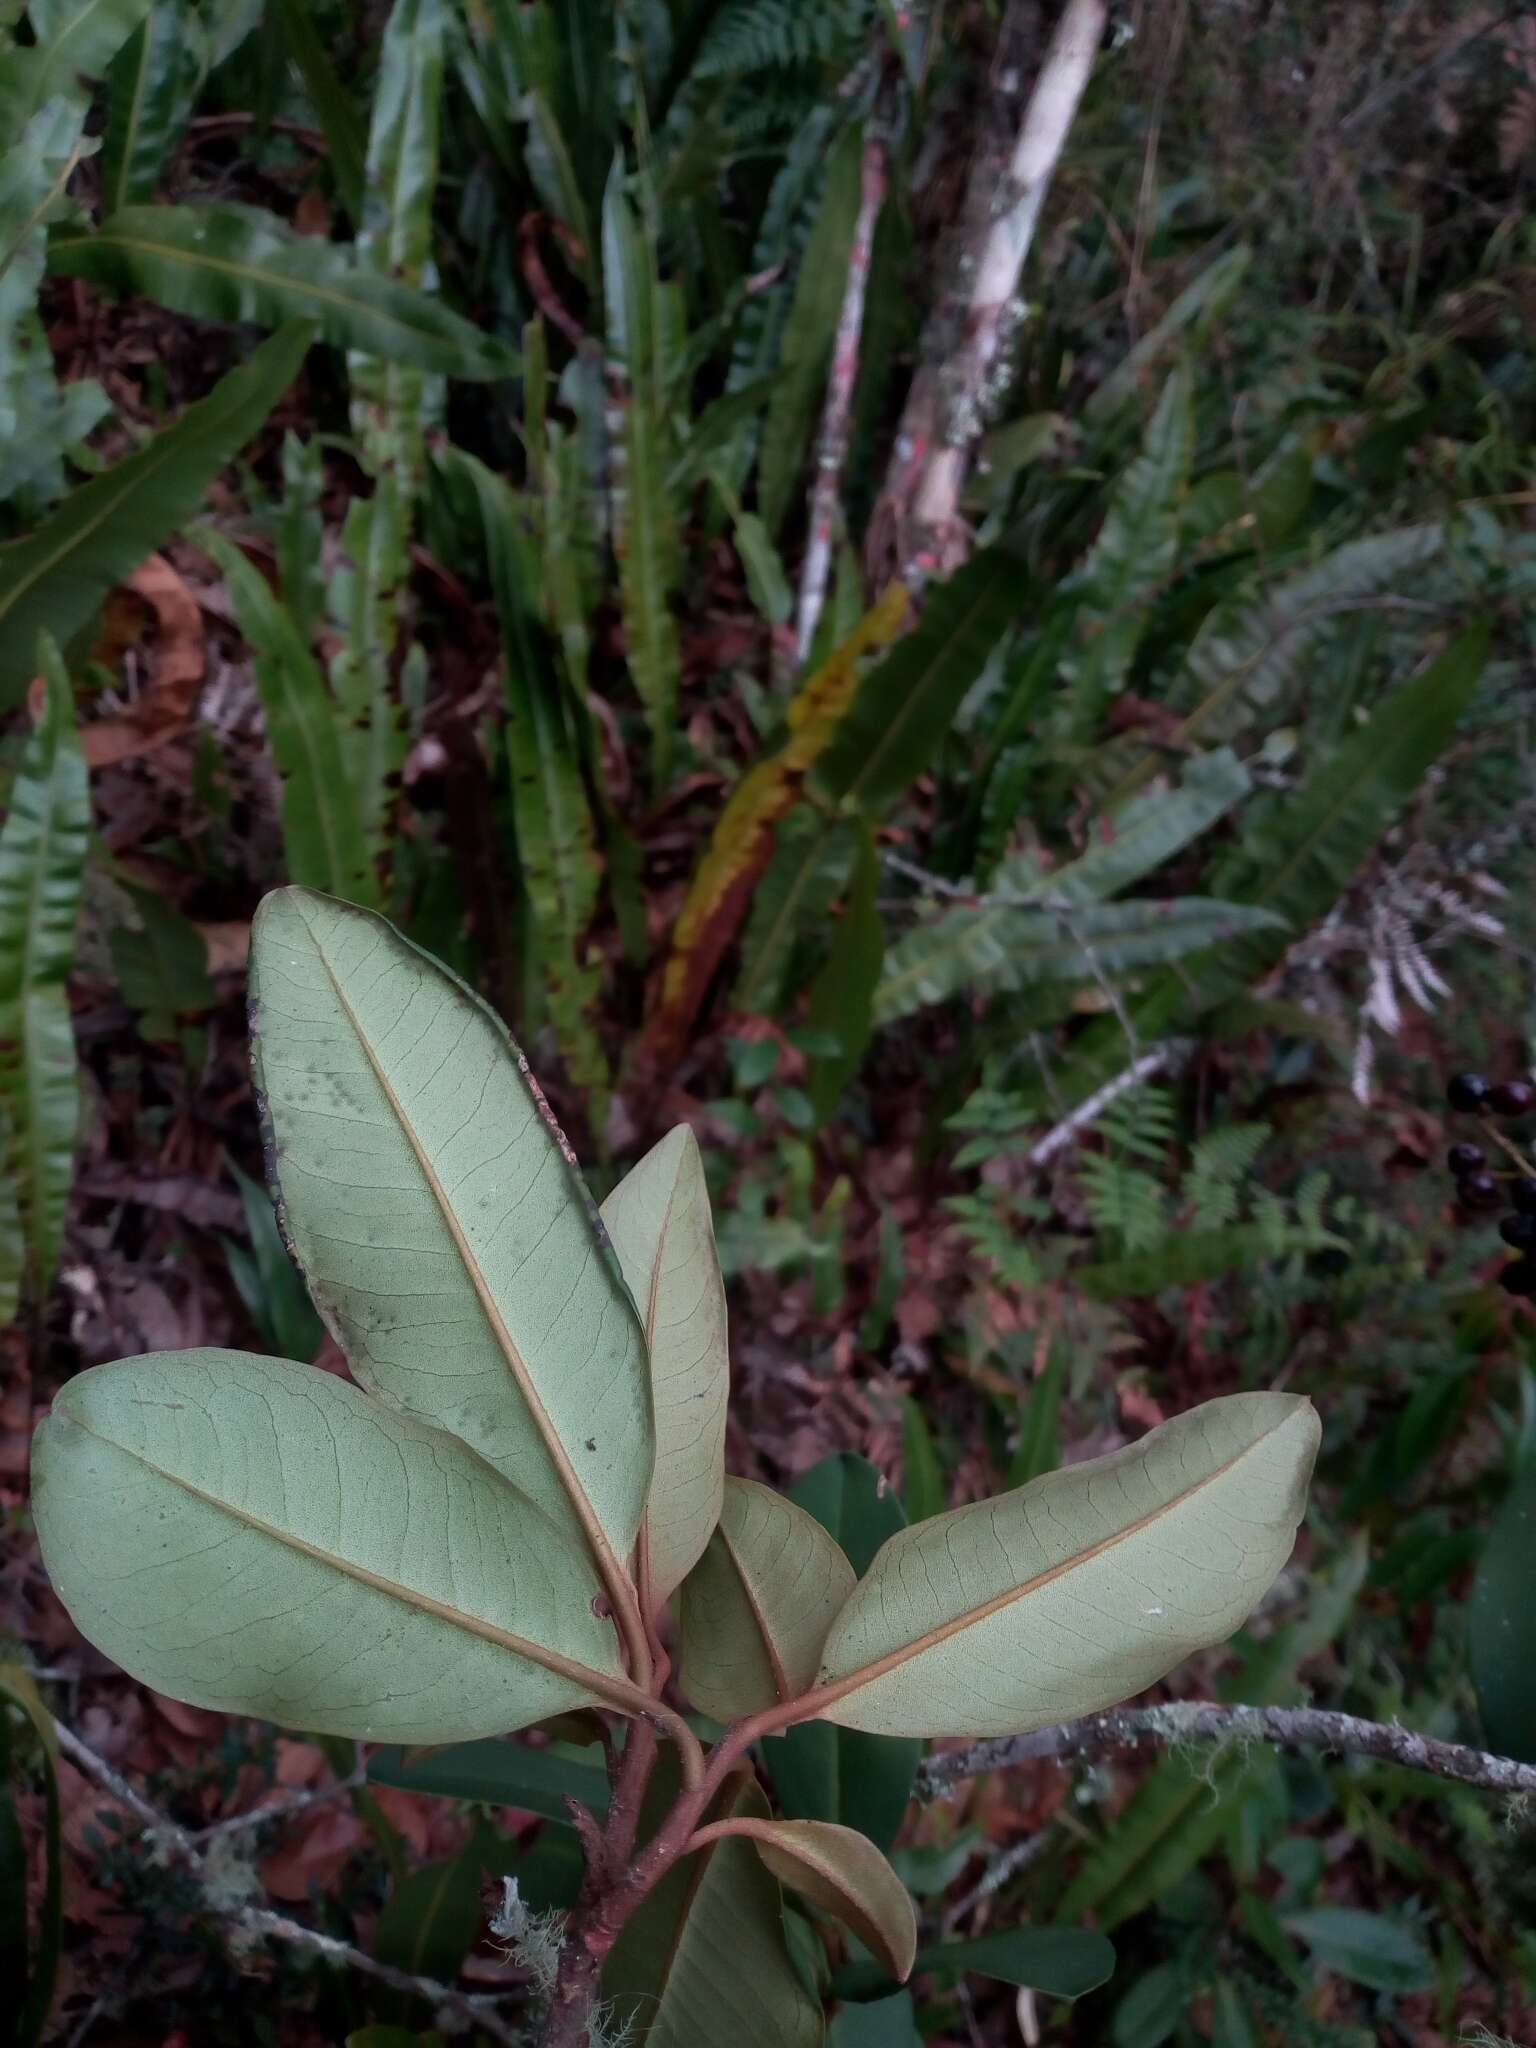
{"points": [[836, 1689], [581, 1506], [409, 1596], [780, 1675]]}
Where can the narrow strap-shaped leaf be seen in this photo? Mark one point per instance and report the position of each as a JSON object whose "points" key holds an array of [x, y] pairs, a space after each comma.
{"points": [[844, 1874], [1132, 558], [645, 521], [1064, 1962], [999, 946], [842, 998], [447, 1243], [742, 840], [1079, 1589], [757, 1606], [557, 843], [39, 417], [338, 118], [1297, 856], [54, 580], [34, 1987], [905, 704], [42, 869], [1501, 1622], [322, 828], [264, 1538], [77, 39], [150, 89], [659, 1220], [237, 263]]}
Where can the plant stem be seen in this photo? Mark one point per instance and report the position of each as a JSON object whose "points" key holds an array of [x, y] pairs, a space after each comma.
{"points": [[832, 444]]}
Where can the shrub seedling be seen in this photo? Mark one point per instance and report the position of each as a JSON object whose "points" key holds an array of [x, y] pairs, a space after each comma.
{"points": [[491, 1526]]}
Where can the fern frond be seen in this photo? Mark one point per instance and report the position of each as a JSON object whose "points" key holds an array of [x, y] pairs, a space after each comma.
{"points": [[1124, 1202], [1217, 1166], [1141, 1124], [762, 35]]}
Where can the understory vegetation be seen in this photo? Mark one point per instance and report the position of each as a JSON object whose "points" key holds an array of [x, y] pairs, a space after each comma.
{"points": [[1047, 799]]}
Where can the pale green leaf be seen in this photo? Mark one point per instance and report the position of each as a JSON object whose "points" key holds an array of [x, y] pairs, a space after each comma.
{"points": [[1080, 1589], [448, 1244], [843, 1873], [42, 866], [54, 580], [757, 1606], [237, 263], [658, 1218], [263, 1538]]}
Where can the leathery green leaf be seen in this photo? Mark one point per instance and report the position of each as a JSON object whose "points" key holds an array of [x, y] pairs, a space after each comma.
{"points": [[237, 263], [843, 1873], [448, 1243], [42, 870], [705, 1958], [659, 1221], [1080, 1589], [263, 1538], [757, 1605]]}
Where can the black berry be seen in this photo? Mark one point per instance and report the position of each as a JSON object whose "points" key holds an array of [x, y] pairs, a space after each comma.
{"points": [[1519, 1231], [1522, 1193], [1520, 1280], [1462, 1159], [1478, 1191], [1469, 1091], [1513, 1098]]}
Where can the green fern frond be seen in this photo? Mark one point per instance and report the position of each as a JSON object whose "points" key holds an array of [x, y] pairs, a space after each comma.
{"points": [[1124, 1202], [1141, 1124], [1212, 1187], [762, 35]]}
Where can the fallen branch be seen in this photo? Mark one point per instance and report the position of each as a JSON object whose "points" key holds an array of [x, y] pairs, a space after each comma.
{"points": [[1299, 1728], [247, 1921], [832, 443]]}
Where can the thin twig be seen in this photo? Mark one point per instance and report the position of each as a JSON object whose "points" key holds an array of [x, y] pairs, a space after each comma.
{"points": [[1018, 1856], [282, 1809], [1157, 1059], [1298, 1728], [832, 444], [246, 1920]]}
